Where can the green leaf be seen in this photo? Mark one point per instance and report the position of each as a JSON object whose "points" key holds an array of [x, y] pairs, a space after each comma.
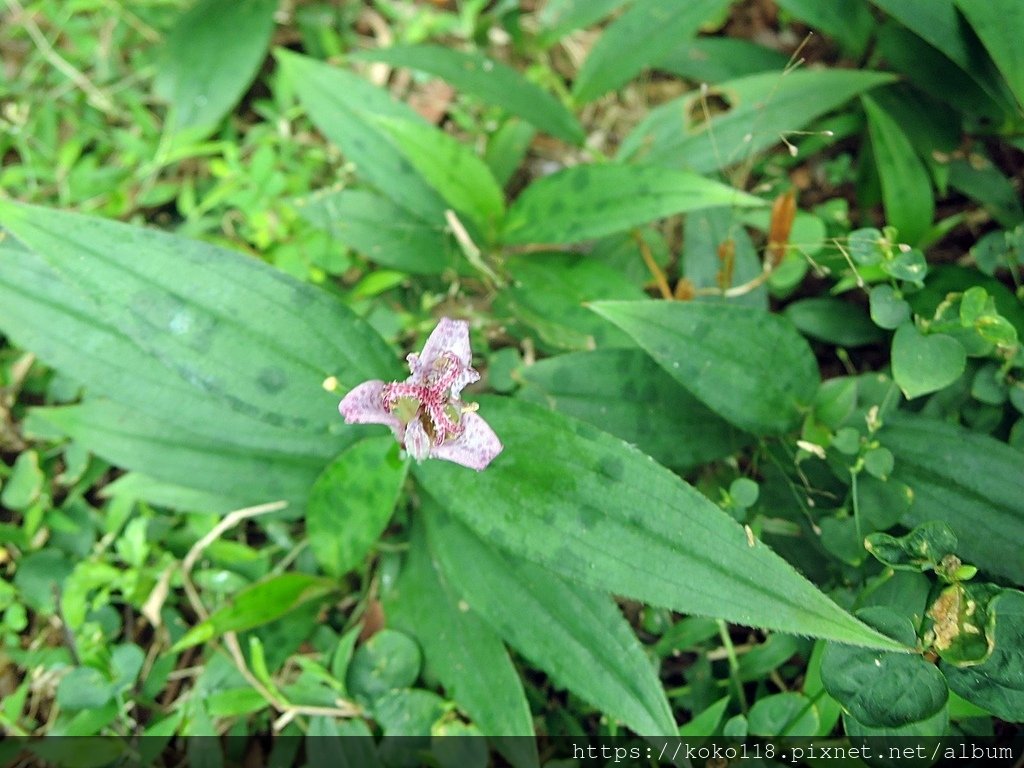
{"points": [[704, 234], [25, 483], [640, 37], [888, 310], [851, 23], [451, 168], [879, 688], [997, 22], [164, 449], [834, 321], [783, 714], [507, 148], [488, 80], [259, 604], [906, 187], [458, 644], [970, 481], [344, 107], [939, 23], [351, 502], [923, 364], [84, 688], [760, 108], [749, 366], [383, 231], [223, 351], [576, 635], [548, 295], [714, 59], [997, 685], [624, 392], [595, 510], [921, 549], [589, 201], [235, 701], [210, 57], [558, 17], [962, 622], [388, 661]]}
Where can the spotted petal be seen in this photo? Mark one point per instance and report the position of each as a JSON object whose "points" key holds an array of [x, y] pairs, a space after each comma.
{"points": [[363, 405], [449, 336], [475, 448]]}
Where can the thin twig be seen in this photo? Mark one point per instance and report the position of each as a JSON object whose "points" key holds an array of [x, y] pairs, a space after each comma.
{"points": [[652, 266]]}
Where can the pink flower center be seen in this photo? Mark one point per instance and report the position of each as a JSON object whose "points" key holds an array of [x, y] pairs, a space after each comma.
{"points": [[433, 393]]}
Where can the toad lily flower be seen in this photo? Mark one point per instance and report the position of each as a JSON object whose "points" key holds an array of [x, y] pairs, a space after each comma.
{"points": [[424, 411]]}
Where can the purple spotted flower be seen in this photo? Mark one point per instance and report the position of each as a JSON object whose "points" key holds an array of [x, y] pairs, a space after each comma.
{"points": [[424, 411]]}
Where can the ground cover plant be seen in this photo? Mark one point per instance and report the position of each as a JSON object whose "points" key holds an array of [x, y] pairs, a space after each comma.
{"points": [[511, 369]]}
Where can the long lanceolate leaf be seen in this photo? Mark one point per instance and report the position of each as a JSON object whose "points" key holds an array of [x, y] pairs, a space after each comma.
{"points": [[590, 507], [574, 633], [215, 345], [488, 80], [343, 106], [760, 110]]}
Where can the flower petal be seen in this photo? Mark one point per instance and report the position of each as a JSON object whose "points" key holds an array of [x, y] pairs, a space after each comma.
{"points": [[363, 405], [475, 448], [417, 442], [449, 336]]}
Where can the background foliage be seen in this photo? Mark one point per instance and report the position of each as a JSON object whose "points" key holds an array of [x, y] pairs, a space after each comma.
{"points": [[747, 302]]}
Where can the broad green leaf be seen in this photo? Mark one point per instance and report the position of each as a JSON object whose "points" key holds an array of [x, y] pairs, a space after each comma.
{"points": [[850, 23], [981, 180], [834, 321], [624, 392], [639, 38], [576, 635], [939, 23], [748, 366], [548, 295], [968, 480], [344, 107], [210, 57], [507, 147], [882, 689], [217, 349], [714, 59], [888, 310], [24, 484], [259, 604], [351, 502], [588, 201], [783, 714], [595, 510], [458, 644], [922, 364], [383, 231], [489, 80], [388, 661], [341, 743], [759, 109], [925, 66], [906, 188], [705, 233], [560, 16], [997, 685], [998, 23], [202, 322], [450, 167], [921, 549], [84, 688]]}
